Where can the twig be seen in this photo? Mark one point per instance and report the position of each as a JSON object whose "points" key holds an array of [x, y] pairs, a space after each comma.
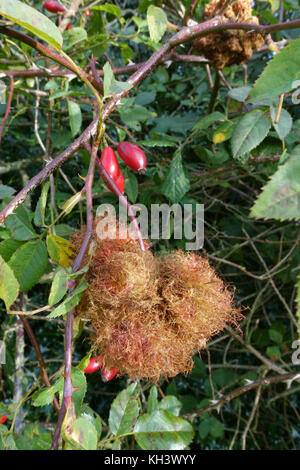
{"points": [[39, 356], [68, 388], [8, 105], [123, 201], [251, 417]]}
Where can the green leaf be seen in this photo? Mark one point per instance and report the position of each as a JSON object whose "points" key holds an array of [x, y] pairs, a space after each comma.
{"points": [[280, 198], [223, 132], [208, 120], [59, 286], [240, 93], [109, 8], [110, 84], [152, 399], [29, 263], [75, 117], [44, 397], [8, 247], [9, 286], [32, 20], [249, 132], [279, 74], [72, 300], [161, 430], [157, 22], [176, 184], [124, 411], [275, 336], [273, 351], [39, 216], [131, 186], [73, 36], [170, 404], [83, 434], [6, 191], [19, 225], [284, 125], [211, 426]]}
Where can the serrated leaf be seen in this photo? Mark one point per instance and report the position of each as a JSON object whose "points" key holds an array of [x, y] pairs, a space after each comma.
{"points": [[32, 20], [60, 250], [8, 247], [73, 36], [71, 301], [75, 117], [280, 198], [279, 75], [240, 93], [157, 22], [29, 263], [284, 125], [9, 286], [170, 404], [124, 411], [176, 184], [82, 434], [161, 430], [43, 397], [19, 225], [59, 287], [249, 132]]}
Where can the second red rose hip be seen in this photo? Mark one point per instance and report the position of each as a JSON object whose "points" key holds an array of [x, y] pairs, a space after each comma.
{"points": [[133, 156]]}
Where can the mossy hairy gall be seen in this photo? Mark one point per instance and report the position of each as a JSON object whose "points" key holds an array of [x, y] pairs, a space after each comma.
{"points": [[151, 314]]}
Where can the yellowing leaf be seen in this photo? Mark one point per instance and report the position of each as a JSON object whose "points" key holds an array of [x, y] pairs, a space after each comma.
{"points": [[219, 137], [60, 250], [9, 286]]}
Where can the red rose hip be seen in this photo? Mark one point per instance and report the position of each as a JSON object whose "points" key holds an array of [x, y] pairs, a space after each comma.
{"points": [[108, 374], [110, 162], [133, 156], [53, 6], [94, 365], [3, 419]]}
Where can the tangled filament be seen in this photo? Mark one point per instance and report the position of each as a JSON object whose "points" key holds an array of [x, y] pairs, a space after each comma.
{"points": [[151, 314]]}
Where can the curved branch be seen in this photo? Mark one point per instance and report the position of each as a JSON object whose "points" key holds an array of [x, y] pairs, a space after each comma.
{"points": [[184, 35]]}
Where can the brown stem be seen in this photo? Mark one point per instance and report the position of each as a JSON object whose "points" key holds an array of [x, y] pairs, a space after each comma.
{"points": [[10, 94], [189, 13], [46, 52], [39, 356], [262, 381], [68, 388]]}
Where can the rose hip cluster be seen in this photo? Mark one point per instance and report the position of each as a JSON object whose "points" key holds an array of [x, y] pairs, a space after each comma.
{"points": [[95, 364], [131, 154]]}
